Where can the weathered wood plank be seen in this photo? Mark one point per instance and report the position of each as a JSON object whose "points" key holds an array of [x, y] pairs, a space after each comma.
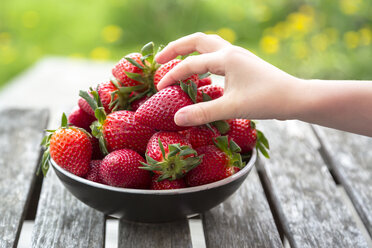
{"points": [[244, 220], [350, 158], [303, 192], [175, 234], [63, 221], [20, 134]]}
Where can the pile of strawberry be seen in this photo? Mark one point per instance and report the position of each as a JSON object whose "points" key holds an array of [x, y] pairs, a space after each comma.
{"points": [[123, 132]]}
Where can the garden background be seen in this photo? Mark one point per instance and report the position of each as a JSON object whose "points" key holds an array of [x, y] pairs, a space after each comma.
{"points": [[310, 39]]}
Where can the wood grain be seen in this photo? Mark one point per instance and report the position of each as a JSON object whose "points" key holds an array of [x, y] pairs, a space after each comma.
{"points": [[162, 235], [350, 158], [20, 134], [303, 192], [63, 221], [244, 220]]}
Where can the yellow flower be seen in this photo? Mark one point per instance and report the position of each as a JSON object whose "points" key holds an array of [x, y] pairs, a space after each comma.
{"points": [[300, 49], [111, 33], [227, 34], [351, 39], [270, 44], [320, 42], [30, 19], [350, 7], [300, 22], [100, 53], [365, 36]]}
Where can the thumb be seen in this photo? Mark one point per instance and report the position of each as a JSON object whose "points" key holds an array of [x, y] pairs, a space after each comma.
{"points": [[202, 113]]}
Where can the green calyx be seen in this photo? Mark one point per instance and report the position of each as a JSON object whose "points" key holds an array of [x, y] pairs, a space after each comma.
{"points": [[262, 144], [123, 97], [45, 143], [175, 164], [95, 103], [148, 67], [231, 149]]}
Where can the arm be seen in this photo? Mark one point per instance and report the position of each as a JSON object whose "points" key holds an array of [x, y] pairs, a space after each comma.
{"points": [[255, 89]]}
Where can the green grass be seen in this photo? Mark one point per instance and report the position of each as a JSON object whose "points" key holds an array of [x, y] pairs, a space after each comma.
{"points": [[109, 29]]}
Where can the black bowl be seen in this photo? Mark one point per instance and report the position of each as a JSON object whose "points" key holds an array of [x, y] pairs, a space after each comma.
{"points": [[152, 205]]}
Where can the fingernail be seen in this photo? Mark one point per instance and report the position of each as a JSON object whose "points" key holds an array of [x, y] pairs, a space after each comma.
{"points": [[181, 118]]}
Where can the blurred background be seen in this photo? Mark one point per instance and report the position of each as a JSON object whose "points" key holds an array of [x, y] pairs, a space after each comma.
{"points": [[310, 39]]}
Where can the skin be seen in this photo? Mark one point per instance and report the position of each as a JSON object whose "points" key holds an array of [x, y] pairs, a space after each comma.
{"points": [[255, 89]]}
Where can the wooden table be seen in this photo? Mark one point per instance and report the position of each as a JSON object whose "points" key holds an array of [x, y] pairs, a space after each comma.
{"points": [[294, 197]]}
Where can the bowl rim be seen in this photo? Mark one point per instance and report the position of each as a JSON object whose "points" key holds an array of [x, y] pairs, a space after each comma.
{"points": [[224, 181]]}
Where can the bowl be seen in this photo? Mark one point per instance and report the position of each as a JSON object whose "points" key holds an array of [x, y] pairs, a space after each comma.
{"points": [[152, 205]]}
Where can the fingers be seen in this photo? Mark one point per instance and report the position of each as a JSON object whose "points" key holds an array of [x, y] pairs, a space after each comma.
{"points": [[202, 113], [199, 42], [198, 64]]}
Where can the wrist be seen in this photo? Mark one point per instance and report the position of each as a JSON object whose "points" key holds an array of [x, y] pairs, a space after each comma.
{"points": [[296, 98]]}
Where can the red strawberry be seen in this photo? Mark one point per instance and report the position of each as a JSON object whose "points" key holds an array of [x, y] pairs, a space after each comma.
{"points": [[137, 70], [96, 151], [165, 68], [245, 134], [117, 130], [69, 147], [213, 91], [242, 132], [170, 155], [167, 184], [158, 111], [220, 161], [93, 173], [80, 118], [204, 82], [120, 130], [200, 136], [137, 103], [105, 90], [121, 169], [125, 66], [85, 106]]}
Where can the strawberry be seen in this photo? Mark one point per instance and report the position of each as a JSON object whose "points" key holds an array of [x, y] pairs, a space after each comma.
{"points": [[166, 184], [158, 111], [69, 147], [170, 155], [245, 134], [213, 91], [120, 130], [200, 135], [124, 65], [117, 130], [120, 168], [137, 70], [96, 151], [85, 107], [204, 81], [137, 103], [220, 161], [80, 118], [105, 90], [93, 173], [165, 68]]}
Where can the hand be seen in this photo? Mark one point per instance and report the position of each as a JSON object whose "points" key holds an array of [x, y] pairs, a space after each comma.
{"points": [[254, 89]]}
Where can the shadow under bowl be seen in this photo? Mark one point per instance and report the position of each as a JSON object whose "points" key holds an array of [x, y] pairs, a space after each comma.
{"points": [[152, 205]]}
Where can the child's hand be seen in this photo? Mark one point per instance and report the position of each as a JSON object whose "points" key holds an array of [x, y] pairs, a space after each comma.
{"points": [[254, 89]]}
